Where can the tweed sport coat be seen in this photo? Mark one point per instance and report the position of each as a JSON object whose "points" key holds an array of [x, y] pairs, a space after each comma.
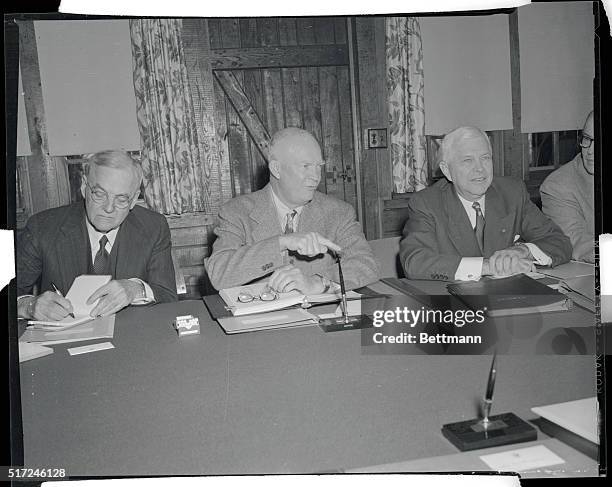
{"points": [[247, 246], [438, 232], [567, 199], [54, 248]]}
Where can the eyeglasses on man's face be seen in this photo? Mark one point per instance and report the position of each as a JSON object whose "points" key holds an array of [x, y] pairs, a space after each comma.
{"points": [[586, 141], [98, 195]]}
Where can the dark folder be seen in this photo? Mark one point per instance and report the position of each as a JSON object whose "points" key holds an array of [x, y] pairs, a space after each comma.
{"points": [[507, 296]]}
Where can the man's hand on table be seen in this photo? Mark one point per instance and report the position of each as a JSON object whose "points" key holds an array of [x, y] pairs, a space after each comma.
{"points": [[48, 306], [508, 262], [289, 277], [115, 296], [309, 244]]}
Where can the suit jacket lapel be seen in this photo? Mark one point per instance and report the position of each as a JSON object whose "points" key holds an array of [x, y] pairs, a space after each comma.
{"points": [[459, 227], [126, 246], [498, 223], [73, 248], [264, 213]]}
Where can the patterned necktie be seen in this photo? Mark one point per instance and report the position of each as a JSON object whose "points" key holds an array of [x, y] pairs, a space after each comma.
{"points": [[479, 228], [102, 258], [290, 220]]}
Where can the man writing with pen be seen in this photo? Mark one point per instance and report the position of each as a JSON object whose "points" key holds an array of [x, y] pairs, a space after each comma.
{"points": [[106, 234]]}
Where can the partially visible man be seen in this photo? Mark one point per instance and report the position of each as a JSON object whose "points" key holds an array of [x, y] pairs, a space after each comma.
{"points": [[106, 234], [472, 224], [288, 229], [567, 197]]}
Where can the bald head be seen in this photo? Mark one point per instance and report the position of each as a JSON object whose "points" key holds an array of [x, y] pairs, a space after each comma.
{"points": [[289, 140], [295, 166]]}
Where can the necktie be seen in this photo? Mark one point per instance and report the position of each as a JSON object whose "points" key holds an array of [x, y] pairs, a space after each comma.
{"points": [[102, 258], [289, 223], [479, 228]]}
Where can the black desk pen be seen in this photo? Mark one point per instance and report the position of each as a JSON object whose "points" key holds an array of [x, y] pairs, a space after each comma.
{"points": [[57, 291], [488, 399], [342, 289]]}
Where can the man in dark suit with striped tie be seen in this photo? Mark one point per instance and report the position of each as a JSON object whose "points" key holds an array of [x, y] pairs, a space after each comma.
{"points": [[105, 234], [472, 223]]}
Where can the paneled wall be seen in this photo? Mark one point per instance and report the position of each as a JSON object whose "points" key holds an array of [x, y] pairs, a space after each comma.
{"points": [[304, 94]]}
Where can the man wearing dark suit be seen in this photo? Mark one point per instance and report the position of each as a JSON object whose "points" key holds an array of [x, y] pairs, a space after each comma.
{"points": [[473, 224], [284, 231], [106, 234]]}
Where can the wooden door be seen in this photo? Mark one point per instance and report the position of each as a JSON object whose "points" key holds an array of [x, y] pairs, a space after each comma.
{"points": [[294, 72]]}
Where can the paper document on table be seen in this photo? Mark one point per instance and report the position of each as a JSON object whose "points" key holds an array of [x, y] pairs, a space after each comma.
{"points": [[263, 300], [289, 318], [78, 294], [82, 288], [579, 417], [569, 270], [96, 328], [29, 351], [522, 459]]}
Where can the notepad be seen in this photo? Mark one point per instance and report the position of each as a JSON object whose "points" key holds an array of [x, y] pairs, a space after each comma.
{"points": [[522, 459], [80, 291]]}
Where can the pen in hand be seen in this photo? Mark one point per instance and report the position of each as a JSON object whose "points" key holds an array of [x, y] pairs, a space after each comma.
{"points": [[57, 291], [488, 399]]}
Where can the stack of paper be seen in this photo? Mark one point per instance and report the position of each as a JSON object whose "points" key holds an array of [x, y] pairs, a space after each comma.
{"points": [[581, 290], [289, 318], [80, 291], [279, 301], [92, 330]]}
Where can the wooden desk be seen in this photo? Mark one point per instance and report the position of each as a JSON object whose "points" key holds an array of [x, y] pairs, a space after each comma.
{"points": [[285, 401]]}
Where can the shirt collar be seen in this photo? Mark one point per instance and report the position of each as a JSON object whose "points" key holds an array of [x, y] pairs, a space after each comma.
{"points": [[95, 236], [468, 204], [282, 209]]}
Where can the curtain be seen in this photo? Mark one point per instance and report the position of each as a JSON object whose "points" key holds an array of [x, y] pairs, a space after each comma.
{"points": [[405, 89], [175, 181]]}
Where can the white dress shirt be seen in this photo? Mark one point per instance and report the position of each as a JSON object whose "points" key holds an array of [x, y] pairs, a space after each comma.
{"points": [[470, 268], [282, 210]]}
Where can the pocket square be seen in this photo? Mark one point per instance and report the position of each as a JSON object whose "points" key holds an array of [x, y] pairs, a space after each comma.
{"points": [[516, 238]]}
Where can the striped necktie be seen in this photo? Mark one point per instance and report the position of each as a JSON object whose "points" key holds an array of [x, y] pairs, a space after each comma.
{"points": [[102, 259], [479, 228], [289, 222]]}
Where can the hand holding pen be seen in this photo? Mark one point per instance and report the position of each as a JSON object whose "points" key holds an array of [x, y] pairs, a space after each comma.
{"points": [[49, 306], [59, 293]]}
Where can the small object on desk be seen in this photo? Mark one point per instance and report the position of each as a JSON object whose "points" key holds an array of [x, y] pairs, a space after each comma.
{"points": [[522, 459], [345, 321], [90, 348], [501, 429], [186, 325]]}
